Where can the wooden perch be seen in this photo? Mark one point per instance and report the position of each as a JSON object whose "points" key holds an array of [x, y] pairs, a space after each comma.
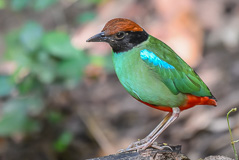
{"points": [[156, 154], [150, 153]]}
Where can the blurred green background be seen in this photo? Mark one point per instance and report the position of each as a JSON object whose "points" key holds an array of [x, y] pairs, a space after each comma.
{"points": [[60, 98]]}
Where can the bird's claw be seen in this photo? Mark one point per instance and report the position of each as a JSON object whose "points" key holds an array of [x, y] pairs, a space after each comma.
{"points": [[163, 146], [144, 144], [136, 146], [138, 143]]}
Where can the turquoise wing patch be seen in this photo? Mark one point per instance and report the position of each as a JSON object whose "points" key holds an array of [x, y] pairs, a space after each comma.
{"points": [[175, 80], [152, 58]]}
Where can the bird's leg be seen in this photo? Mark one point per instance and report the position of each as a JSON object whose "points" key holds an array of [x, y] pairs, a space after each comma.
{"points": [[174, 116], [152, 133], [148, 140]]}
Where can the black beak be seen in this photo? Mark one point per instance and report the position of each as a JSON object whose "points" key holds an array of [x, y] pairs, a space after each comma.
{"points": [[100, 37]]}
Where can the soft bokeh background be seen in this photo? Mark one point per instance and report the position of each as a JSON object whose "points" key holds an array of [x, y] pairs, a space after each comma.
{"points": [[61, 100]]}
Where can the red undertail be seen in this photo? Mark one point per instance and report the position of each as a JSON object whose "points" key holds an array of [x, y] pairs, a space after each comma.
{"points": [[191, 102]]}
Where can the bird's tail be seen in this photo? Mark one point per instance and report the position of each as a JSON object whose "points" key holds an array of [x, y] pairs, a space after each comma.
{"points": [[201, 100], [210, 101], [193, 100]]}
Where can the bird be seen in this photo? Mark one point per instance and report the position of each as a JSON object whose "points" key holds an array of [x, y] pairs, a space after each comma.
{"points": [[153, 74]]}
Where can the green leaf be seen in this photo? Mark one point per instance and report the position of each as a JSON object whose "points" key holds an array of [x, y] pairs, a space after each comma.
{"points": [[69, 68], [58, 44], [54, 117], [18, 5], [28, 84], [32, 105], [11, 42], [63, 141], [45, 68], [92, 1], [15, 50], [15, 115], [86, 17], [73, 67], [31, 35], [12, 123], [43, 57], [2, 4], [40, 5], [12, 37], [46, 73], [6, 85], [18, 55]]}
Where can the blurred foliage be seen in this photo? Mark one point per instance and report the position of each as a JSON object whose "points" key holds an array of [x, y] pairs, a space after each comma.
{"points": [[2, 4], [6, 85], [41, 59], [44, 57], [63, 141], [41, 5], [86, 17], [37, 5], [54, 117], [16, 114]]}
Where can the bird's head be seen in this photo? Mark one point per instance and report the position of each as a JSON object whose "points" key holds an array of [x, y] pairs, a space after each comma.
{"points": [[121, 34]]}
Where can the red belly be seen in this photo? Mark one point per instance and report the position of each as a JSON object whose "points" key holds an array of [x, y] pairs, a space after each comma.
{"points": [[191, 102]]}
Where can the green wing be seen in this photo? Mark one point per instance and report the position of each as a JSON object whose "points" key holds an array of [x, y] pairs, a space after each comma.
{"points": [[176, 74]]}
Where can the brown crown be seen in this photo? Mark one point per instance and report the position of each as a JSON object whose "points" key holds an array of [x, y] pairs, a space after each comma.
{"points": [[120, 24]]}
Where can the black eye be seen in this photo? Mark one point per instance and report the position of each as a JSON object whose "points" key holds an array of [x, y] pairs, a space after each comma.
{"points": [[120, 35]]}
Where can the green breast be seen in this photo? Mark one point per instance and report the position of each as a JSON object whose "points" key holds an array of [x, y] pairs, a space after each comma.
{"points": [[141, 82]]}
